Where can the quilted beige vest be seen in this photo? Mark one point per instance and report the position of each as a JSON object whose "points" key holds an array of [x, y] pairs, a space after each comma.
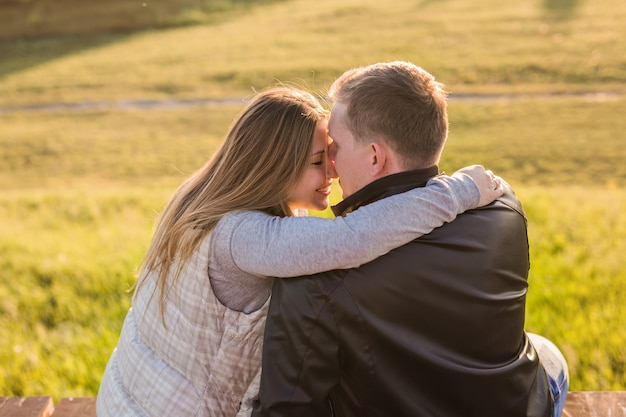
{"points": [[206, 361]]}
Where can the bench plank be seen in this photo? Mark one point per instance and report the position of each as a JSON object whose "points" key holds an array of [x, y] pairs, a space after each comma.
{"points": [[595, 404], [76, 407], [578, 404], [26, 406]]}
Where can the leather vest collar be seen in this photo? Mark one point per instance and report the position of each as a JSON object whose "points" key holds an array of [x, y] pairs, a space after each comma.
{"points": [[385, 187]]}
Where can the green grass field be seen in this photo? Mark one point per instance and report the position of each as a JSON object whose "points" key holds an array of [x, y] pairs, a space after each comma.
{"points": [[80, 190]]}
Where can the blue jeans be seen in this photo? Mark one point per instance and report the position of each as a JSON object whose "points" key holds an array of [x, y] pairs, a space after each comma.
{"points": [[556, 367]]}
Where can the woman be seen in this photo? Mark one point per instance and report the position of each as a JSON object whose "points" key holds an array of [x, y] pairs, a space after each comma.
{"points": [[191, 343]]}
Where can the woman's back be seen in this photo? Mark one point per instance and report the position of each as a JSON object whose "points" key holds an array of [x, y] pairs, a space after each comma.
{"points": [[205, 358]]}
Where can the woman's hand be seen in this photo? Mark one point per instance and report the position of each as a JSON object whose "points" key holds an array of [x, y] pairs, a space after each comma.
{"points": [[490, 185]]}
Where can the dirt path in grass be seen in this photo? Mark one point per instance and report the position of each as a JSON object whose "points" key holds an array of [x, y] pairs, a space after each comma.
{"points": [[208, 102]]}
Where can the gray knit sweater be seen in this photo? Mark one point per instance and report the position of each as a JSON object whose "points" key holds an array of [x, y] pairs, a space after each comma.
{"points": [[247, 247]]}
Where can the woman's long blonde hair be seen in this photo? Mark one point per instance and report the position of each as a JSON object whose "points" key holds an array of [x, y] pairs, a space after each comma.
{"points": [[262, 157]]}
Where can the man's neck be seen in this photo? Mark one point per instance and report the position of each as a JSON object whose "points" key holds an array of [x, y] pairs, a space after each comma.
{"points": [[384, 187]]}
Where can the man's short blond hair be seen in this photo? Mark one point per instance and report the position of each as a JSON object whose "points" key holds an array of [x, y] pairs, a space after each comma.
{"points": [[400, 103]]}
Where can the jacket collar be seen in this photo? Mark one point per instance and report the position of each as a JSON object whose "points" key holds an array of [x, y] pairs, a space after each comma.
{"points": [[385, 187]]}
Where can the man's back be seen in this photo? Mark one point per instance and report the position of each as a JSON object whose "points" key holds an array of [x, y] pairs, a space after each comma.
{"points": [[434, 328]]}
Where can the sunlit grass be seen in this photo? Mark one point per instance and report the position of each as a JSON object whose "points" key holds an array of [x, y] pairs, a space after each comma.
{"points": [[577, 281], [503, 47], [68, 259], [564, 141], [559, 141], [40, 150]]}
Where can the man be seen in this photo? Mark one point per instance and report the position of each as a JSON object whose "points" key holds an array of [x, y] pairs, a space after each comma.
{"points": [[433, 328]]}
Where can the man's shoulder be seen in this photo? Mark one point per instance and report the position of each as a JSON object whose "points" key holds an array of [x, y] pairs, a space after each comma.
{"points": [[507, 202], [509, 199], [506, 211]]}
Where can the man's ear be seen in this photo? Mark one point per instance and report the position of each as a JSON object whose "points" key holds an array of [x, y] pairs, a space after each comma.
{"points": [[379, 155]]}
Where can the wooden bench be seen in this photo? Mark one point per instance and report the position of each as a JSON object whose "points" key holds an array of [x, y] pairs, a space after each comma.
{"points": [[595, 404], [578, 404], [44, 407]]}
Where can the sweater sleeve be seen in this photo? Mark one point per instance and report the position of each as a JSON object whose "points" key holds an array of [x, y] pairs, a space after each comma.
{"points": [[291, 246]]}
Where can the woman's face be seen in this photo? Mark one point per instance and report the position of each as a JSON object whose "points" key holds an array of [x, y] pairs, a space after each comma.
{"points": [[313, 188]]}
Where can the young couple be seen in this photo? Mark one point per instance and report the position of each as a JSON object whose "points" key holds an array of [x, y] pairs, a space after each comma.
{"points": [[400, 306]]}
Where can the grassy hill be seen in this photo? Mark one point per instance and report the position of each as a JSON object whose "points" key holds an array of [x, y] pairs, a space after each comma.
{"points": [[32, 19], [482, 46], [80, 189]]}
